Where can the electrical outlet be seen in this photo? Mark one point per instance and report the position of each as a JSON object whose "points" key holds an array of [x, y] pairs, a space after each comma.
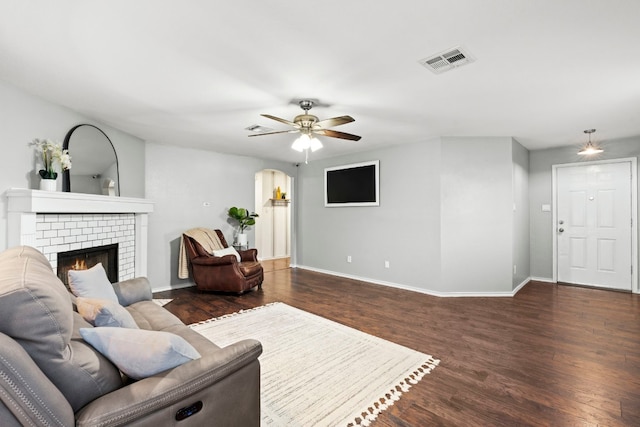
{"points": [[387, 265], [514, 269], [348, 258]]}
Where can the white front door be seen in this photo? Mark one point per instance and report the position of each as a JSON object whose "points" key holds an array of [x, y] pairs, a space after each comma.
{"points": [[593, 228]]}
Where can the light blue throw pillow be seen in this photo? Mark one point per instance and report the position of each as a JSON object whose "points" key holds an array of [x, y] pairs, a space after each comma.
{"points": [[92, 283], [140, 353], [104, 312]]}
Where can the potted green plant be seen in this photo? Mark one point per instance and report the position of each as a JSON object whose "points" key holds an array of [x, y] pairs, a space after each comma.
{"points": [[245, 219]]}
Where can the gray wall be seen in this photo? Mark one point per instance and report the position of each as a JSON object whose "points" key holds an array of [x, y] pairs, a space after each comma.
{"points": [[180, 181], [25, 117], [404, 229], [540, 192], [521, 240], [477, 206], [445, 222]]}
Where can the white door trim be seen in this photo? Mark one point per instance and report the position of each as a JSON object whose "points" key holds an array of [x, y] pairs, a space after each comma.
{"points": [[634, 213]]}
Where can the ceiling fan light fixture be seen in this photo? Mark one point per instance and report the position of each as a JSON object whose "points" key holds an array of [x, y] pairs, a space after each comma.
{"points": [[309, 125], [303, 142], [315, 144], [590, 149]]}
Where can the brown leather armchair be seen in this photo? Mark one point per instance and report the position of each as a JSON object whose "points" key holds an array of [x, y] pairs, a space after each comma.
{"points": [[211, 273]]}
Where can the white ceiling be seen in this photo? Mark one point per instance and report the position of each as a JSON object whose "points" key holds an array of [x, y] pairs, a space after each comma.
{"points": [[196, 73]]}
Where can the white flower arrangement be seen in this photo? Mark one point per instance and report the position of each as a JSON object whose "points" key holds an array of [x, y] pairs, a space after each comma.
{"points": [[52, 154]]}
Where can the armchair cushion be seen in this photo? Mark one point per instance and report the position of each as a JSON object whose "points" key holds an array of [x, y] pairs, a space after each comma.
{"points": [[250, 268], [140, 353], [103, 312], [227, 251], [92, 283]]}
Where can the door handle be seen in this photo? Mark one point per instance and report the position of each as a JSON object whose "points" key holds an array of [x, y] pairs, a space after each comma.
{"points": [[561, 230]]}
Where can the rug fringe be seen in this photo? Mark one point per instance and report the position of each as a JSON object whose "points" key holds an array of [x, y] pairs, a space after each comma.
{"points": [[366, 418], [226, 316]]}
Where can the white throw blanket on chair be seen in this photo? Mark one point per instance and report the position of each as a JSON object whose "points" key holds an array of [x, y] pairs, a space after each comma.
{"points": [[206, 237]]}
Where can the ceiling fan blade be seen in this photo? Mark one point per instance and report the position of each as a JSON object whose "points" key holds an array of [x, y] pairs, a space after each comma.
{"points": [[336, 121], [336, 134], [278, 119], [275, 132]]}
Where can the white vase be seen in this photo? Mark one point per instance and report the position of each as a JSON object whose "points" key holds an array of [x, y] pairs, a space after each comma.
{"points": [[241, 239], [48, 184]]}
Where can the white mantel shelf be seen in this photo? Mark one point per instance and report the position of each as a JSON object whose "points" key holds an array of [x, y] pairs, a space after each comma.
{"points": [[37, 201]]}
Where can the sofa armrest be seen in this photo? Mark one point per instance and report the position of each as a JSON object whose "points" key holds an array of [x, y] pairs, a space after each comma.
{"points": [[133, 290], [27, 394], [158, 397]]}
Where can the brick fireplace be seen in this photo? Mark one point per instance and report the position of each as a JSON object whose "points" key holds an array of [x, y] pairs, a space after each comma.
{"points": [[56, 222]]}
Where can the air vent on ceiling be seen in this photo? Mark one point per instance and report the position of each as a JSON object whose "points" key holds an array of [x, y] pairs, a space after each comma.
{"points": [[447, 60]]}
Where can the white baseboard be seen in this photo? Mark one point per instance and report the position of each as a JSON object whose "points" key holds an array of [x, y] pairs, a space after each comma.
{"points": [[391, 285], [521, 285], [542, 279], [273, 258], [414, 289], [172, 288]]}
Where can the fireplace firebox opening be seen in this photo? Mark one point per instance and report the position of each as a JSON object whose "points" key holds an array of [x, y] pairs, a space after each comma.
{"points": [[83, 259]]}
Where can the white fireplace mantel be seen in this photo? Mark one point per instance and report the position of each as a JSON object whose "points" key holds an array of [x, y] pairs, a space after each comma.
{"points": [[37, 201], [23, 205]]}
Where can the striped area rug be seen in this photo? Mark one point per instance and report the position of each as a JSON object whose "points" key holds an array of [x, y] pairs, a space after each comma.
{"points": [[316, 372]]}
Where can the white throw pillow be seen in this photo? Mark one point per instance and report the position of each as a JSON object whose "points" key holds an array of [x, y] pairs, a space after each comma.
{"points": [[227, 251], [103, 312], [140, 353], [92, 283]]}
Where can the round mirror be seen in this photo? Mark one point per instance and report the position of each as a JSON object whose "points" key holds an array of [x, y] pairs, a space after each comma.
{"points": [[94, 162]]}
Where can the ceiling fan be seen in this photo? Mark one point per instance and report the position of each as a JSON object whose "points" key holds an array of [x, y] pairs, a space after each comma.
{"points": [[308, 125]]}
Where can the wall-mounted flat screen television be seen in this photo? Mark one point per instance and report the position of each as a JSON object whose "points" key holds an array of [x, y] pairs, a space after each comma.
{"points": [[357, 184]]}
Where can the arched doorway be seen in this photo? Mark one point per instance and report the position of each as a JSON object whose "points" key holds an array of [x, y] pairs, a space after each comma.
{"points": [[273, 230]]}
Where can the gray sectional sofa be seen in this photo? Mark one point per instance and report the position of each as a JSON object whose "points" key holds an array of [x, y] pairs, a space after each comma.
{"points": [[49, 376]]}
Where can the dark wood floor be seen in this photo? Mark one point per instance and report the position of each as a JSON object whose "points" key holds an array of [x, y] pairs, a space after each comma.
{"points": [[553, 355]]}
